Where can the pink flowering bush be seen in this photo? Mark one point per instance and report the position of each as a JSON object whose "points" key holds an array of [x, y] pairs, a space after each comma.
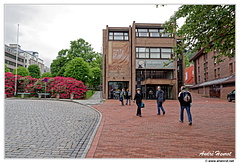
{"points": [[54, 85], [10, 84], [66, 86]]}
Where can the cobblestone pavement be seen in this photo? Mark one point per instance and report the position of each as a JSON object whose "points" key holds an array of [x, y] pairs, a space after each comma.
{"points": [[122, 134], [48, 129]]}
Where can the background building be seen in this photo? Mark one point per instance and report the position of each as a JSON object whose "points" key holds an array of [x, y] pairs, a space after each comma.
{"points": [[189, 76], [25, 58], [135, 57], [213, 79]]}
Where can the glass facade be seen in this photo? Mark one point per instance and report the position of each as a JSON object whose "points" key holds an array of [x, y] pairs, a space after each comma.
{"points": [[114, 88]]}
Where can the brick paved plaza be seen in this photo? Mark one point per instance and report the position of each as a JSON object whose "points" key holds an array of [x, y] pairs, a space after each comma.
{"points": [[122, 134]]}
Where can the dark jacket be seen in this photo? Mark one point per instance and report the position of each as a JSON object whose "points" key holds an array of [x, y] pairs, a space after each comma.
{"points": [[181, 98], [160, 96], [138, 98]]}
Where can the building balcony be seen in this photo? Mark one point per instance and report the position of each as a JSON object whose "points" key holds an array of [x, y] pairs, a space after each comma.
{"points": [[150, 81]]}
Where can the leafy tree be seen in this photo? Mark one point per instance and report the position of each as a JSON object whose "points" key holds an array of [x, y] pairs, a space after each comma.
{"points": [[46, 74], [6, 69], [95, 76], [22, 71], [77, 69], [34, 71], [58, 66], [208, 27]]}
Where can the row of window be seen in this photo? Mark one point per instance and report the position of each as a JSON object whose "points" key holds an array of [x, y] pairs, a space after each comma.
{"points": [[153, 74], [13, 57], [123, 36], [154, 53], [152, 33], [12, 63], [118, 36]]}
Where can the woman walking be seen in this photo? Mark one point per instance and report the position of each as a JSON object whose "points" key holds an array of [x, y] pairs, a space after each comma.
{"points": [[138, 99]]}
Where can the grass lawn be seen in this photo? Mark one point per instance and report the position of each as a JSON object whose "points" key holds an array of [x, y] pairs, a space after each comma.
{"points": [[89, 94]]}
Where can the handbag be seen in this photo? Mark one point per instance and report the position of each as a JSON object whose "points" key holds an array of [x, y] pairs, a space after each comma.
{"points": [[142, 105]]}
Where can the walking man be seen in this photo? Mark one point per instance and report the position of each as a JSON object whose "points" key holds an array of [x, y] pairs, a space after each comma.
{"points": [[185, 100], [128, 96], [160, 99], [138, 98], [122, 95]]}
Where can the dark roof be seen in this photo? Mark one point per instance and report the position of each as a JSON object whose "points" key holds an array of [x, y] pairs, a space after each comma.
{"points": [[229, 79]]}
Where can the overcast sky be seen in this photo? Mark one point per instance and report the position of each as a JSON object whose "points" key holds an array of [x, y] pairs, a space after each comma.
{"points": [[48, 29]]}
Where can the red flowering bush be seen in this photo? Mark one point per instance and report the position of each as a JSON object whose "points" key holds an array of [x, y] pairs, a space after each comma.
{"points": [[54, 85], [66, 86], [10, 84]]}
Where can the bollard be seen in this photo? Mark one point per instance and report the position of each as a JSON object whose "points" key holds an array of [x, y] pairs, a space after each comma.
{"points": [[71, 96], [58, 96]]}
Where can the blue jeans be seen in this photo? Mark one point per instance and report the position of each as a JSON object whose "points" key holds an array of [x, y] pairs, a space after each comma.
{"points": [[188, 113], [128, 101], [159, 106]]}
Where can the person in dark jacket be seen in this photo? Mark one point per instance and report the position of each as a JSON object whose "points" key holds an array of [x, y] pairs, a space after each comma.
{"points": [[138, 99], [122, 96], [128, 96], [160, 99], [185, 100]]}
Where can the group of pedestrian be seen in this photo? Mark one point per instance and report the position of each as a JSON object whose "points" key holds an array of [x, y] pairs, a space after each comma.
{"points": [[184, 98], [125, 95]]}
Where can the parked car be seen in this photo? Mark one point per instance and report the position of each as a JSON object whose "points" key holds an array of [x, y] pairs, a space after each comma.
{"points": [[231, 96]]}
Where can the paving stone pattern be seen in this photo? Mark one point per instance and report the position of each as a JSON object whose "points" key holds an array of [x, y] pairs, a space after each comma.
{"points": [[47, 129], [122, 134]]}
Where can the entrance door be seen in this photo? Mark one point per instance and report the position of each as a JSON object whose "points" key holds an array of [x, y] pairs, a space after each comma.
{"points": [[114, 89]]}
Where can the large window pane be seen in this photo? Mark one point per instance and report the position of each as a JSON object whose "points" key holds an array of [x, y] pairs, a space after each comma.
{"points": [[118, 37], [118, 33], [154, 49], [154, 34], [154, 55], [143, 34], [143, 55], [142, 30], [110, 37], [153, 30]]}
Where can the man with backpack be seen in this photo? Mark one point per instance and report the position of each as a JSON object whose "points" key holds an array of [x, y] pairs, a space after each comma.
{"points": [[185, 100]]}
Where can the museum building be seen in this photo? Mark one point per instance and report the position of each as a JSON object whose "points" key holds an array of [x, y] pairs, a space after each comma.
{"points": [[139, 56]]}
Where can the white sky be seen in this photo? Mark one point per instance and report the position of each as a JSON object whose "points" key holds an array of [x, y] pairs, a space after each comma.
{"points": [[49, 28]]}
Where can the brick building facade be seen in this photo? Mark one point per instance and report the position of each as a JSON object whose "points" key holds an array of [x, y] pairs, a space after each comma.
{"points": [[213, 79], [135, 57]]}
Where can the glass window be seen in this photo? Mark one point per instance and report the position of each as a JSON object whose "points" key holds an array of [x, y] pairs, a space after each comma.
{"points": [[153, 30], [142, 30], [141, 34], [154, 34], [166, 53], [118, 37]]}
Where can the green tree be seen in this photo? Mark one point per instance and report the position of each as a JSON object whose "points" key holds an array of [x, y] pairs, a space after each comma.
{"points": [[77, 69], [46, 74], [207, 27], [95, 76], [22, 71], [34, 71], [57, 66], [6, 69]]}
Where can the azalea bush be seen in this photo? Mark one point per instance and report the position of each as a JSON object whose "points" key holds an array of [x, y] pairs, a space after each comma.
{"points": [[10, 83], [53, 85]]}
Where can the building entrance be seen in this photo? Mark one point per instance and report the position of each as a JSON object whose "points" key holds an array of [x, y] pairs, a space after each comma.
{"points": [[114, 88], [150, 93]]}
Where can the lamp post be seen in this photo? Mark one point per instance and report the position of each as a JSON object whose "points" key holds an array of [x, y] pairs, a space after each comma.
{"points": [[15, 93]]}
